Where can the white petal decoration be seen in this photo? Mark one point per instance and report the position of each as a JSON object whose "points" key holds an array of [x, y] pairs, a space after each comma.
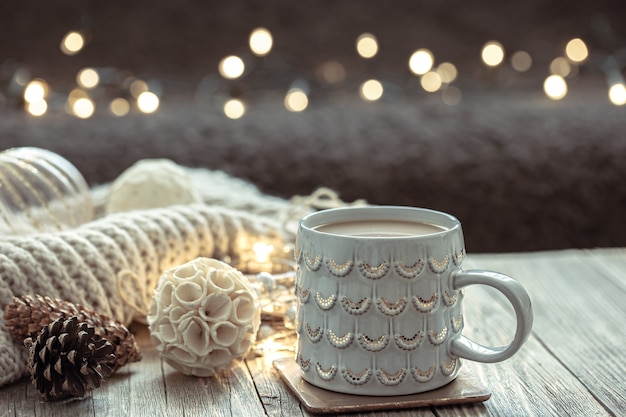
{"points": [[216, 307], [204, 315]]}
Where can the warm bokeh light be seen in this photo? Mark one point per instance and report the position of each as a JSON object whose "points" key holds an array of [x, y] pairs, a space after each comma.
{"points": [[72, 43], [88, 78], [492, 53], [36, 90], [421, 61], [83, 108], [521, 61], [234, 108], [331, 72], [431, 81], [451, 95], [367, 45], [148, 102], [232, 67], [560, 66], [119, 107], [137, 87], [447, 72], [37, 108], [296, 100], [555, 87], [371, 90], [617, 94], [261, 41], [576, 50]]}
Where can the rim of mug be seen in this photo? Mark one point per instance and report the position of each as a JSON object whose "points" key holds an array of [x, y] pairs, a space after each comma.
{"points": [[444, 220]]}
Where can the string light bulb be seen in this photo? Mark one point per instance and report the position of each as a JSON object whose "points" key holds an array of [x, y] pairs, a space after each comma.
{"points": [[148, 102], [560, 66], [83, 108], [555, 87], [576, 50], [421, 61], [232, 67], [119, 107], [447, 72], [367, 45], [371, 90], [261, 41], [492, 53], [431, 81], [234, 108], [617, 94], [37, 108], [72, 43], [296, 100], [521, 61], [88, 78], [36, 90]]}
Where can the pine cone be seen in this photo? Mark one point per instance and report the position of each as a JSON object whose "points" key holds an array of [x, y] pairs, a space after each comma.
{"points": [[68, 358], [27, 315]]}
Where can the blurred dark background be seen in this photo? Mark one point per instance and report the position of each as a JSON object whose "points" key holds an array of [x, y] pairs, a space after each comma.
{"points": [[521, 171]]}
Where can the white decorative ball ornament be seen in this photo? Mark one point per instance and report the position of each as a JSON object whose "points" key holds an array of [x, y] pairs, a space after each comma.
{"points": [[204, 315], [40, 191], [151, 183]]}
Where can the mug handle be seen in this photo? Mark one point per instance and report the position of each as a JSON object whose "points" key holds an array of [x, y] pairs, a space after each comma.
{"points": [[519, 299]]}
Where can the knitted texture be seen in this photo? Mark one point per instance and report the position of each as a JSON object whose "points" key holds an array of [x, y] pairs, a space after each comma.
{"points": [[111, 265]]}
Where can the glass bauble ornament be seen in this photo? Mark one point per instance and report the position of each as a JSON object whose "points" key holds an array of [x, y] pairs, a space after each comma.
{"points": [[40, 191]]}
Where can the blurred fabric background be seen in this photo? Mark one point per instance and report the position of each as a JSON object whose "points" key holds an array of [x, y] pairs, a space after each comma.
{"points": [[521, 169]]}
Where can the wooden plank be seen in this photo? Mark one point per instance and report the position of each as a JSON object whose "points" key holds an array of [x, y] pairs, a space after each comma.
{"points": [[277, 400], [138, 388]]}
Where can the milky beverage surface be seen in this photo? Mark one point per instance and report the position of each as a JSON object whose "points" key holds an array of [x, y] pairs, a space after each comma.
{"points": [[380, 228]]}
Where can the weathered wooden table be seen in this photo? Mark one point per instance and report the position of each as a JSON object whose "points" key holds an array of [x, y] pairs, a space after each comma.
{"points": [[573, 364]]}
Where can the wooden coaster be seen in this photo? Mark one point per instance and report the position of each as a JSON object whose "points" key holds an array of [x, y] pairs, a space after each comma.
{"points": [[464, 389]]}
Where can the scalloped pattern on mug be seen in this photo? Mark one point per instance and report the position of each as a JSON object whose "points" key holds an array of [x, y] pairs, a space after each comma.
{"points": [[325, 303], [409, 271], [356, 308], [313, 335], [439, 266], [312, 263], [391, 309], [391, 379], [456, 323], [458, 257], [373, 345], [425, 306], [374, 272], [305, 365], [450, 299], [303, 294], [437, 338], [354, 378], [448, 367], [339, 270], [340, 342], [325, 374], [409, 343], [423, 376], [297, 254]]}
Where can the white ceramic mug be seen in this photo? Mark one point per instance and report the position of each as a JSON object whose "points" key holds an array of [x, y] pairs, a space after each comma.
{"points": [[379, 303]]}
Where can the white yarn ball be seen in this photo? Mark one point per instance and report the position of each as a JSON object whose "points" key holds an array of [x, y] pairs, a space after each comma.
{"points": [[203, 316], [151, 183]]}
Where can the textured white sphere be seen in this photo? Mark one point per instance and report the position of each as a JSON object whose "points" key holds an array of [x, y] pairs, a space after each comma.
{"points": [[203, 316], [151, 183]]}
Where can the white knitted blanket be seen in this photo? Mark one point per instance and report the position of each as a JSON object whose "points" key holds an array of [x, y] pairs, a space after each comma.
{"points": [[113, 263]]}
